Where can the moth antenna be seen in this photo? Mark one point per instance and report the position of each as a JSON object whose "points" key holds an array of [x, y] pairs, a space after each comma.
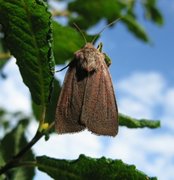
{"points": [[113, 22], [62, 68], [80, 32]]}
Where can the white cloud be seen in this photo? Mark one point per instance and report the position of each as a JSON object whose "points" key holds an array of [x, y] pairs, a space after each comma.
{"points": [[155, 100], [147, 95], [134, 107], [70, 145], [150, 152], [60, 75], [145, 87], [58, 5], [169, 102], [15, 95]]}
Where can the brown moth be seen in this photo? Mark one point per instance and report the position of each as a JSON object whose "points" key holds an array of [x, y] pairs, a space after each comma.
{"points": [[87, 97]]}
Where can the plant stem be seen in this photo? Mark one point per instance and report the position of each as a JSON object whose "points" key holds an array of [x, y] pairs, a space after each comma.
{"points": [[42, 119]]}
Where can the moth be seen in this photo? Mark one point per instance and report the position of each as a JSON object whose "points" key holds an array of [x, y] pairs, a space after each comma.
{"points": [[87, 97]]}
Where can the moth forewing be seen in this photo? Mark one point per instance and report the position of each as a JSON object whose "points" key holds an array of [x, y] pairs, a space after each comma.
{"points": [[99, 108], [87, 98], [69, 104]]}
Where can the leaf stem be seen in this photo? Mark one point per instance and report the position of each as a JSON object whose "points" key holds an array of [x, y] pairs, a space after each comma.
{"points": [[41, 122]]}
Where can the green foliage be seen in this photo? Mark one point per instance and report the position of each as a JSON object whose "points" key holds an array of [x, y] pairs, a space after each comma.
{"points": [[50, 112], [89, 168], [135, 28], [4, 55], [2, 63], [10, 145], [152, 13], [90, 12], [28, 35], [134, 123]]}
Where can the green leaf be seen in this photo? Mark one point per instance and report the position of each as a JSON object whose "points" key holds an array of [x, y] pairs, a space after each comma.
{"points": [[4, 123], [37, 110], [152, 12], [10, 145], [51, 107], [90, 12], [4, 54], [22, 173], [66, 41], [135, 28], [89, 168], [134, 123], [26, 24], [2, 112], [2, 61], [2, 177]]}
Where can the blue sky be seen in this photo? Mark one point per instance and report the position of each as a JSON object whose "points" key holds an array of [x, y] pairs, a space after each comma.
{"points": [[130, 54], [143, 80]]}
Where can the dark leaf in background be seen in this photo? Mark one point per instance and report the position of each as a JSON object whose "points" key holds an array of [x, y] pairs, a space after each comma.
{"points": [[152, 13], [135, 28], [2, 112], [26, 24], [51, 107], [89, 168], [4, 123], [90, 12], [4, 53], [10, 145]]}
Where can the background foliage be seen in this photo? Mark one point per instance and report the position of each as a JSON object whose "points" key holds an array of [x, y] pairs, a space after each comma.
{"points": [[38, 41]]}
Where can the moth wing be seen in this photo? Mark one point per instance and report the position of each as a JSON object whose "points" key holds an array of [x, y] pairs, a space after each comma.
{"points": [[99, 112], [69, 105]]}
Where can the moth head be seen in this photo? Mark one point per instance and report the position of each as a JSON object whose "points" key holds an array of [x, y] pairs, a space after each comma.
{"points": [[89, 58]]}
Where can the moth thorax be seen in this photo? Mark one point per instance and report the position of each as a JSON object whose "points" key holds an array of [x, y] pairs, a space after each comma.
{"points": [[89, 59]]}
